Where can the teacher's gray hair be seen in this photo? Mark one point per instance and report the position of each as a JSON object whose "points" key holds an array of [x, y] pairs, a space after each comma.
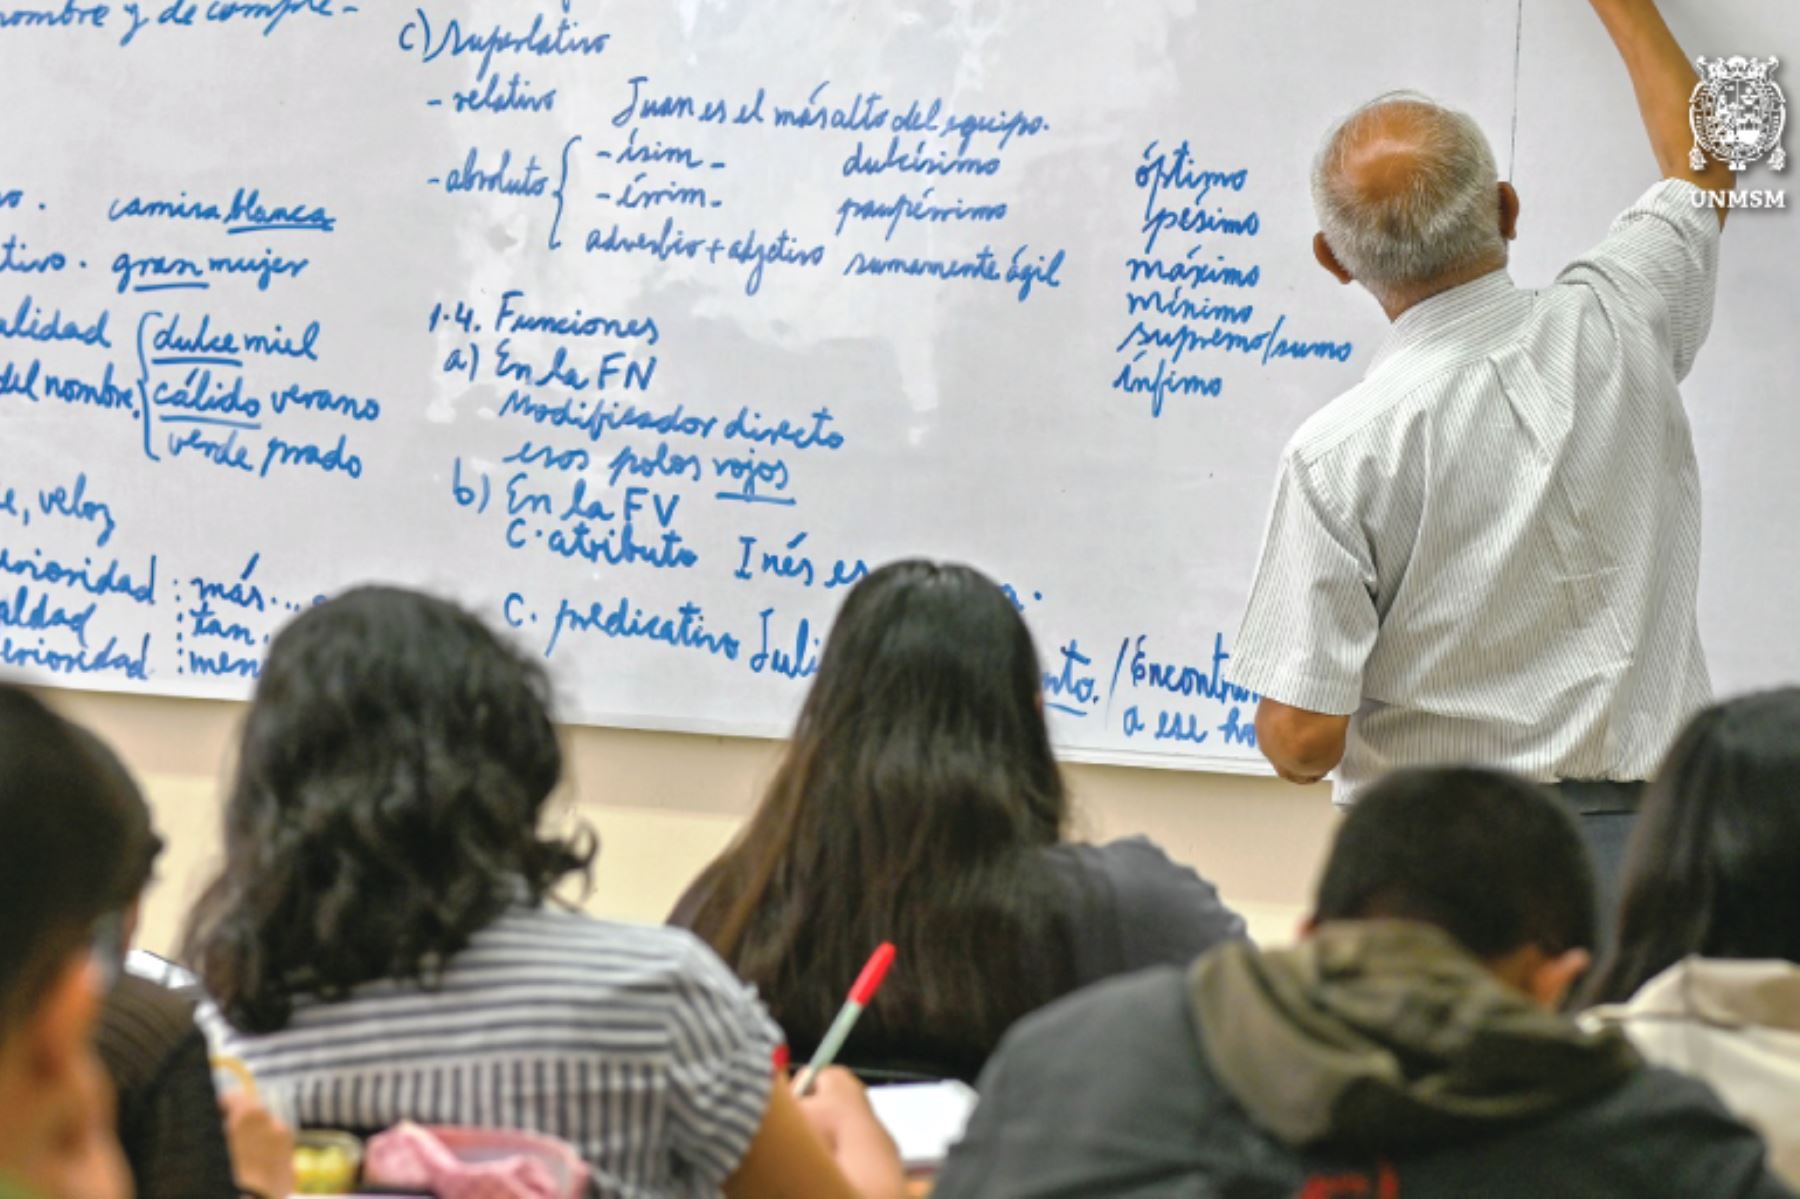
{"points": [[1446, 219]]}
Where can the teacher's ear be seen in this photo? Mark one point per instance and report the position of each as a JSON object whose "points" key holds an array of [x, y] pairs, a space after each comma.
{"points": [[1509, 212], [1322, 251]]}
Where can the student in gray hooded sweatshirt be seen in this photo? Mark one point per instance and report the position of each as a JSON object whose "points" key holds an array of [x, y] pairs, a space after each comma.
{"points": [[1409, 1046]]}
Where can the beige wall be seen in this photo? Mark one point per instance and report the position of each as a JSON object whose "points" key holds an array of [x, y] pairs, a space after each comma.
{"points": [[665, 803]]}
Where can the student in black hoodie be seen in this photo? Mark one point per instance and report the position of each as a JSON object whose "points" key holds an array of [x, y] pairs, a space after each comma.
{"points": [[1409, 1046]]}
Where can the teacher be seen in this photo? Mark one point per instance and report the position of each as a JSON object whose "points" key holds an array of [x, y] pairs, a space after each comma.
{"points": [[1488, 550]]}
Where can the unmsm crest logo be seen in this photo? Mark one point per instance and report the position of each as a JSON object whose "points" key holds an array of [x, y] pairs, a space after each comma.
{"points": [[1738, 114]]}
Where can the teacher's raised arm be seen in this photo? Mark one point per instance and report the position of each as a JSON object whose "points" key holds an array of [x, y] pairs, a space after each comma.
{"points": [[1664, 80]]}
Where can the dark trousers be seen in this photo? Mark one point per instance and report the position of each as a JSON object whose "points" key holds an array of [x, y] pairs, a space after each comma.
{"points": [[1606, 812]]}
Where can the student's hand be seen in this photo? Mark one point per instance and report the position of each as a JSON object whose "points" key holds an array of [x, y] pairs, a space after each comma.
{"points": [[838, 1111], [262, 1147], [826, 1146]]}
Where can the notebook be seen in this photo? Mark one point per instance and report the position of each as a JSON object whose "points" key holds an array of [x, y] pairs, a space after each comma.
{"points": [[924, 1118]]}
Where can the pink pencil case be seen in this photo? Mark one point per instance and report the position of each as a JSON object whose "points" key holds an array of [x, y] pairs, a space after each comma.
{"points": [[475, 1163]]}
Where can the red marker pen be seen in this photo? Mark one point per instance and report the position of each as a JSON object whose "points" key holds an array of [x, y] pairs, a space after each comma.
{"points": [[867, 983]]}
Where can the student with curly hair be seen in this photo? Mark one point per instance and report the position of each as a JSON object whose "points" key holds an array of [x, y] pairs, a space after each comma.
{"points": [[379, 946]]}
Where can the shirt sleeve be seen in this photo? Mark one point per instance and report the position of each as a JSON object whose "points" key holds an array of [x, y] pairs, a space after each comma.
{"points": [[723, 1068], [1707, 1151], [179, 1149], [168, 1113], [996, 1143], [1138, 908], [1311, 620], [1098, 1094], [1658, 267]]}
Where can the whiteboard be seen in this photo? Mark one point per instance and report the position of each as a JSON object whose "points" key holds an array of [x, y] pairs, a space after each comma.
{"points": [[643, 327]]}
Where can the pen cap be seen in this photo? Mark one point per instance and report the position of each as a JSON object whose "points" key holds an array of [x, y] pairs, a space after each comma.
{"points": [[869, 981]]}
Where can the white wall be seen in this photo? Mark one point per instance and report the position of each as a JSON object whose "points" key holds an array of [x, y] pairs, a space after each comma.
{"points": [[665, 803]]}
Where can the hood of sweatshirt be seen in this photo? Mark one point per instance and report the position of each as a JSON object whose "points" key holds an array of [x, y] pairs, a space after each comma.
{"points": [[1383, 1036]]}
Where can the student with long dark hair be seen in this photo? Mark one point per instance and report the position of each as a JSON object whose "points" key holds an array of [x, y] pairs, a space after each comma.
{"points": [[379, 944], [919, 802], [1705, 974]]}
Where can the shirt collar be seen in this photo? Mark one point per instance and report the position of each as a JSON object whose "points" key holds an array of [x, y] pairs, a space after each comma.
{"points": [[1430, 319]]}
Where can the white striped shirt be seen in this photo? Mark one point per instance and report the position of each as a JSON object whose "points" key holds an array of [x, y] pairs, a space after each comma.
{"points": [[1489, 550], [635, 1044]]}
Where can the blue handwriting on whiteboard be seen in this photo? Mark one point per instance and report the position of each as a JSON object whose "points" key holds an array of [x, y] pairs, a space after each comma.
{"points": [[19, 611], [983, 266], [779, 564], [246, 213], [924, 210], [200, 439], [338, 458], [1198, 220], [1176, 169], [16, 260], [75, 503], [1265, 344], [676, 106], [685, 630], [864, 112], [239, 592], [635, 195], [154, 272], [515, 95], [595, 416], [664, 463], [548, 456], [1236, 730], [1164, 383], [573, 533], [110, 581], [634, 152], [34, 383], [539, 40], [1176, 678], [202, 620], [109, 659], [180, 14], [783, 249], [748, 426], [471, 176], [752, 472], [614, 366], [1073, 689], [30, 323], [669, 242], [202, 346], [513, 316], [1187, 272], [68, 15], [1002, 125], [795, 660], [222, 664], [917, 161]]}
